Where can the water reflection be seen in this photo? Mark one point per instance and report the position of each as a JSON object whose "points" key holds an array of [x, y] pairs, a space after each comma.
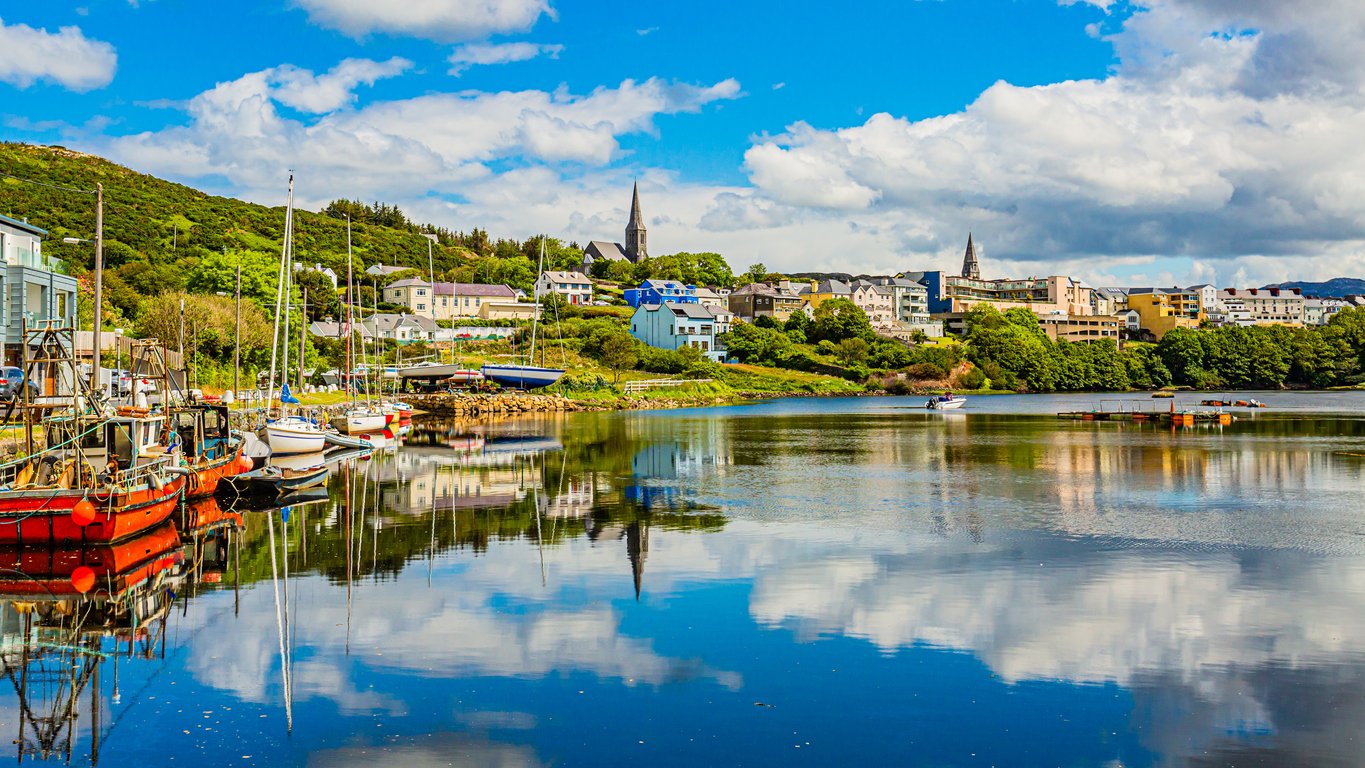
{"points": [[562, 589]]}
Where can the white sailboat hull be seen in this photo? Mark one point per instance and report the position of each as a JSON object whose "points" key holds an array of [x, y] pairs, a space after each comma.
{"points": [[434, 372], [365, 421], [294, 435]]}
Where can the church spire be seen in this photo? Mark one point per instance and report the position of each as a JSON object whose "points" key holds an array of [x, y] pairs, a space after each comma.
{"points": [[637, 242], [970, 266]]}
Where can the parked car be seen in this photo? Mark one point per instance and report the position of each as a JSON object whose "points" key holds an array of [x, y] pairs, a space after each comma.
{"points": [[13, 382]]}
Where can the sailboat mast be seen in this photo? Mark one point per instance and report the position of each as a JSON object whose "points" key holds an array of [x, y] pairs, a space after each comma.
{"points": [[279, 294], [535, 316], [350, 299]]}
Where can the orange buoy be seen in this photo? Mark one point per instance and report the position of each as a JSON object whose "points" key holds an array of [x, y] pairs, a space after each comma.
{"points": [[244, 463], [83, 513], [83, 578]]}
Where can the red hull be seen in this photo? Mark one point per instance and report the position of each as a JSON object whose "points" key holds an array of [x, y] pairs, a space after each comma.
{"points": [[205, 515], [48, 571], [204, 482], [40, 516]]}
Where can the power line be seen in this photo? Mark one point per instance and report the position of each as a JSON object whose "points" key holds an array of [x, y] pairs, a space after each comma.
{"points": [[45, 184]]}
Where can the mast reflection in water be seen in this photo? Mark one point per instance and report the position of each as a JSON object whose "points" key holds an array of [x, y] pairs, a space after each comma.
{"points": [[794, 582]]}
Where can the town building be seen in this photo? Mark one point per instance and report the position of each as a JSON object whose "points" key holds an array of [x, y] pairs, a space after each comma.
{"points": [[1321, 311], [877, 302], [574, 287], [1161, 310], [674, 326], [1062, 327], [818, 292], [35, 289], [709, 297], [756, 300], [1264, 306], [636, 246], [660, 291], [384, 270], [447, 301], [1208, 296]]}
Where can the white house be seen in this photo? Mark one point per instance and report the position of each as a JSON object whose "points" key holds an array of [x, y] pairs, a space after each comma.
{"points": [[674, 326], [574, 287]]}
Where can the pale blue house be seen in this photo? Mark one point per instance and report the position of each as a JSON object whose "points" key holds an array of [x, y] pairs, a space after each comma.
{"points": [[34, 289], [660, 291], [674, 326]]}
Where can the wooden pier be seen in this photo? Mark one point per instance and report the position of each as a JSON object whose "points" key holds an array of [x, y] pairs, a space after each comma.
{"points": [[1135, 413]]}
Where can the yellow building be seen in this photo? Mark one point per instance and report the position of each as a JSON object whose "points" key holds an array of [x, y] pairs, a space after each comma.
{"points": [[824, 290], [1162, 310]]}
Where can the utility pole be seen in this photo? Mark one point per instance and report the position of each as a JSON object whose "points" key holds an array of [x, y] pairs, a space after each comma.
{"points": [[181, 347], [99, 286], [237, 348]]}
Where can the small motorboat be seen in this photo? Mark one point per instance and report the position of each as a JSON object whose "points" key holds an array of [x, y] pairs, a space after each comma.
{"points": [[1252, 403], [338, 440], [279, 480], [945, 403]]}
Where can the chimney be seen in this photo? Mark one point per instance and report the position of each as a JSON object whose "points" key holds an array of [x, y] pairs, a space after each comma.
{"points": [[785, 285]]}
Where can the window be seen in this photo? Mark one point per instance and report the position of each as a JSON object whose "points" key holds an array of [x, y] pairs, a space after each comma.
{"points": [[421, 307], [421, 292]]}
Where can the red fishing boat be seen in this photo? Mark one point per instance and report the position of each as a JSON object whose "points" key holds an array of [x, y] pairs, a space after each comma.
{"points": [[101, 479], [203, 434]]}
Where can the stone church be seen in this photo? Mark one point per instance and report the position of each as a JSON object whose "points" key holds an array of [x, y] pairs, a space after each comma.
{"points": [[637, 241]]}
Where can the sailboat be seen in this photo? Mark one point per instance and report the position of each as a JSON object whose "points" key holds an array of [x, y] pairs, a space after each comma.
{"points": [[288, 434], [527, 376], [358, 418]]}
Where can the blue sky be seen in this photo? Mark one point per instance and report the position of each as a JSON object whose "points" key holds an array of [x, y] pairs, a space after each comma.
{"points": [[1142, 141]]}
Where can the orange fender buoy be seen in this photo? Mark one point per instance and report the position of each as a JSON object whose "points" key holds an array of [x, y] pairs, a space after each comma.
{"points": [[83, 513]]}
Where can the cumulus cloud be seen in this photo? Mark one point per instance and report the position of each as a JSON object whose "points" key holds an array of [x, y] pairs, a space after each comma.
{"points": [[1227, 131], [473, 54], [67, 57], [316, 94], [400, 149], [442, 20]]}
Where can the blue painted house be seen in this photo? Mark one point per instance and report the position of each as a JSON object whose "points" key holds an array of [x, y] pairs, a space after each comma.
{"points": [[33, 288], [674, 326], [660, 291]]}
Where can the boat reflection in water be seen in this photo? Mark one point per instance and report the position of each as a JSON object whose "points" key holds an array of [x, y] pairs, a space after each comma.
{"points": [[872, 577], [64, 613]]}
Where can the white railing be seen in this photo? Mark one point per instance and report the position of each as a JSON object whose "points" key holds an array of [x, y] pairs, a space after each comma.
{"points": [[635, 387]]}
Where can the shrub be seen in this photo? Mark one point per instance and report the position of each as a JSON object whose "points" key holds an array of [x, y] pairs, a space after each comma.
{"points": [[974, 378], [926, 372]]}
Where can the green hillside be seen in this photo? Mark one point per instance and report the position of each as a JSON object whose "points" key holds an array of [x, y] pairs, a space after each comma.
{"points": [[156, 231]]}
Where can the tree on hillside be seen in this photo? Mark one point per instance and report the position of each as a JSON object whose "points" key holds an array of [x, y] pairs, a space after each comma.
{"points": [[839, 319], [756, 273], [217, 272], [618, 354]]}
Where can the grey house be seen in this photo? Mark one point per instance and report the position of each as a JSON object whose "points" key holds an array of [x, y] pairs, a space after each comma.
{"points": [[34, 288]]}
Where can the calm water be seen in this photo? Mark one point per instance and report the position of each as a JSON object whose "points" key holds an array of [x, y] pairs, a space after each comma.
{"points": [[795, 582]]}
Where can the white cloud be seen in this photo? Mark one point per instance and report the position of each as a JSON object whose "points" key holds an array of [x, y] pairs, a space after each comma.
{"points": [[317, 94], [467, 56], [1228, 131], [68, 57], [442, 20], [395, 150]]}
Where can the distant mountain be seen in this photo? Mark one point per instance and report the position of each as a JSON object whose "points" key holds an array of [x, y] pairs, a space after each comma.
{"points": [[1335, 288]]}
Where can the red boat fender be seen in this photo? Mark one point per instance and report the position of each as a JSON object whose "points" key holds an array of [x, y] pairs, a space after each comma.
{"points": [[83, 513], [244, 464], [83, 578]]}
